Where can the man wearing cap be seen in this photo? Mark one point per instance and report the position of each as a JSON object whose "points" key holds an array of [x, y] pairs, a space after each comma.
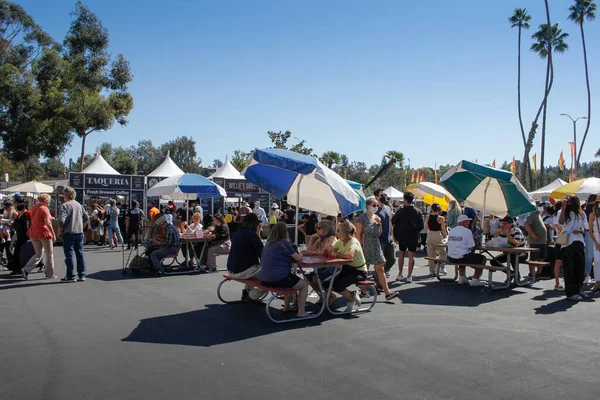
{"points": [[460, 250], [514, 236]]}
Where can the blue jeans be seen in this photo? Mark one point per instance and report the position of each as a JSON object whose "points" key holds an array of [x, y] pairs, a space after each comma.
{"points": [[589, 253], [74, 242], [159, 254], [117, 231]]}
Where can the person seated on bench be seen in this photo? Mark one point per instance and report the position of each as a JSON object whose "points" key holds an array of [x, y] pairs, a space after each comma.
{"points": [[276, 268], [348, 247], [515, 238], [460, 250], [220, 242], [319, 245], [243, 261], [160, 248]]}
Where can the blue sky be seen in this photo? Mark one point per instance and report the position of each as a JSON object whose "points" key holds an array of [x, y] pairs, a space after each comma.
{"points": [[435, 80]]}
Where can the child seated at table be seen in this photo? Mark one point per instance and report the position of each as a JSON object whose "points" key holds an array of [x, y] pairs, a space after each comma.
{"points": [[276, 267]]}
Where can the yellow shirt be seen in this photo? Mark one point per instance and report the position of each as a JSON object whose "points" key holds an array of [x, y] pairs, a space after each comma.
{"points": [[359, 258]]}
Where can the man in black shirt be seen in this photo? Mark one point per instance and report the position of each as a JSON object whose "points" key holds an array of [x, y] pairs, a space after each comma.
{"points": [[407, 223], [244, 255]]}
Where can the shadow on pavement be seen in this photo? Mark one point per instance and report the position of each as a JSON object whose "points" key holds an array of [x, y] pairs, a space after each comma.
{"points": [[452, 294], [111, 275], [558, 306], [23, 284], [216, 324]]}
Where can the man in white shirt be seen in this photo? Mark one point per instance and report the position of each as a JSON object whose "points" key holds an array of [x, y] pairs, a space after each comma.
{"points": [[460, 247], [260, 213]]}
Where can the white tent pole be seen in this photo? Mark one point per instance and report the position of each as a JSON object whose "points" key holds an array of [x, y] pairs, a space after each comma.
{"points": [[298, 206]]}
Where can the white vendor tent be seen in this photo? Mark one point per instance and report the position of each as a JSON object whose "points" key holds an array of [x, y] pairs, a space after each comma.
{"points": [[167, 168], [227, 172], [100, 166], [548, 189], [394, 194]]}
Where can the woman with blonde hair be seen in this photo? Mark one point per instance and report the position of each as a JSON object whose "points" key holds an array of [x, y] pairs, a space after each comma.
{"points": [[42, 237], [276, 267], [452, 214]]}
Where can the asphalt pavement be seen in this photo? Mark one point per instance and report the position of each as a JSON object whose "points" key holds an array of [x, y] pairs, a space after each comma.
{"points": [[126, 337]]}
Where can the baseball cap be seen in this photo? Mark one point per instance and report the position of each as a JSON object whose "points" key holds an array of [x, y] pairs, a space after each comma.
{"points": [[17, 196], [463, 218]]}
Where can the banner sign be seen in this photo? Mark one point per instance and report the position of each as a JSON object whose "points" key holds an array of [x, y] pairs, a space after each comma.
{"points": [[106, 185]]}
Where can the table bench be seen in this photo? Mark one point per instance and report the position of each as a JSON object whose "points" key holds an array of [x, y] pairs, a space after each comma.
{"points": [[491, 268]]}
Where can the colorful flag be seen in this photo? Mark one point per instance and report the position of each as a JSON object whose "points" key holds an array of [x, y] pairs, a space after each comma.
{"points": [[435, 173], [423, 176], [561, 162], [345, 173], [494, 164], [513, 166], [534, 163], [412, 177], [572, 145], [571, 175]]}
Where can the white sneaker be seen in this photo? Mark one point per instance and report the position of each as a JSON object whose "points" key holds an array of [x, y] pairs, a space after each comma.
{"points": [[443, 271], [357, 300], [400, 278], [476, 282], [587, 280], [462, 280], [350, 306], [408, 279]]}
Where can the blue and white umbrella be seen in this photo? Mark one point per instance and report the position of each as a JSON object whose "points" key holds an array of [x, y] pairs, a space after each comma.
{"points": [[305, 180], [186, 187]]}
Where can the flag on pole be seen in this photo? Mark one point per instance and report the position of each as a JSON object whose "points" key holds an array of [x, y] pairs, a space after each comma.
{"points": [[571, 175], [423, 176], [345, 173], [412, 177], [534, 163], [435, 174], [494, 164], [561, 162], [513, 166], [572, 145]]}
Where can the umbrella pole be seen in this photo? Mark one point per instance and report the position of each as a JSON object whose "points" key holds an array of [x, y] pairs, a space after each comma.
{"points": [[483, 216], [298, 206]]}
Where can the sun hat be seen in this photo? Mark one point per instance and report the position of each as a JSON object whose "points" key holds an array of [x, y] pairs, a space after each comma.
{"points": [[274, 205], [462, 218]]}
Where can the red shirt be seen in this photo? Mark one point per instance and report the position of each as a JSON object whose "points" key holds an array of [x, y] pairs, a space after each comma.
{"points": [[38, 228]]}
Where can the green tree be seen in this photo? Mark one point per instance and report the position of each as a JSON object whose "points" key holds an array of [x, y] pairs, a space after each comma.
{"points": [[239, 159], [391, 158], [98, 86], [217, 163], [331, 158], [520, 19], [183, 153], [280, 140], [580, 11], [54, 168], [548, 38], [148, 157]]}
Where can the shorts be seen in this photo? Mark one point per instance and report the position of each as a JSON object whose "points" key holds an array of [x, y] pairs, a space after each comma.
{"points": [[288, 282], [410, 246]]}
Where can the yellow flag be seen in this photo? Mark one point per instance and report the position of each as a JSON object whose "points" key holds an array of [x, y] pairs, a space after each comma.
{"points": [[494, 164], [534, 163]]}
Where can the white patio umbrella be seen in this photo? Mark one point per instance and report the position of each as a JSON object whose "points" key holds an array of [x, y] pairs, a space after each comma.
{"points": [[29, 187]]}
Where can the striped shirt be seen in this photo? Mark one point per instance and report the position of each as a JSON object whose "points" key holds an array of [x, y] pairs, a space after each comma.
{"points": [[172, 237], [517, 234]]}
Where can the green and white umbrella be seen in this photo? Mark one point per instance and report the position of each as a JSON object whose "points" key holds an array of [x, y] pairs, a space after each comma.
{"points": [[493, 191]]}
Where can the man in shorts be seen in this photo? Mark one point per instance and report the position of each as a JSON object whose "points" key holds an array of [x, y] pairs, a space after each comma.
{"points": [[384, 212], [460, 249], [406, 225]]}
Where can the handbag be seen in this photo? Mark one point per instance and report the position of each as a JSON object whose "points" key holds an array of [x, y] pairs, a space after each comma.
{"points": [[562, 238]]}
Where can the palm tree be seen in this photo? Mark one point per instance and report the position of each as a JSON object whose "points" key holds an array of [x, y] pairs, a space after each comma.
{"points": [[547, 39], [581, 10], [393, 158], [520, 19], [331, 158]]}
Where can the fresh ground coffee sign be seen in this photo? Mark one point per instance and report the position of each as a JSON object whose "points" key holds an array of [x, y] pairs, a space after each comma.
{"points": [[106, 185]]}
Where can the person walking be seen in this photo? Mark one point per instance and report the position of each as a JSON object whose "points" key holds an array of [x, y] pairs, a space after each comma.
{"points": [[368, 231], [384, 212], [71, 223], [436, 232], [407, 223], [134, 221], [589, 243], [42, 237], [21, 226], [594, 231], [113, 229], [573, 222]]}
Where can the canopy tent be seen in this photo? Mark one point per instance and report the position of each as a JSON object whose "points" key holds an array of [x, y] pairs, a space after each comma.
{"points": [[227, 172], [167, 168], [582, 188], [100, 166], [29, 187], [547, 190], [186, 187], [394, 194]]}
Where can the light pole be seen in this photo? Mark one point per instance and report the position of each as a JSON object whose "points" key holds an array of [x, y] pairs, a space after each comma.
{"points": [[574, 138]]}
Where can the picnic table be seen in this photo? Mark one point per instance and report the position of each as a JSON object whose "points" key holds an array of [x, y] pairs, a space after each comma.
{"points": [[512, 273], [188, 241]]}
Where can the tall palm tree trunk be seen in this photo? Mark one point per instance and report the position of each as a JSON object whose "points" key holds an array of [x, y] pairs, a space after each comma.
{"points": [[547, 92], [589, 96]]}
